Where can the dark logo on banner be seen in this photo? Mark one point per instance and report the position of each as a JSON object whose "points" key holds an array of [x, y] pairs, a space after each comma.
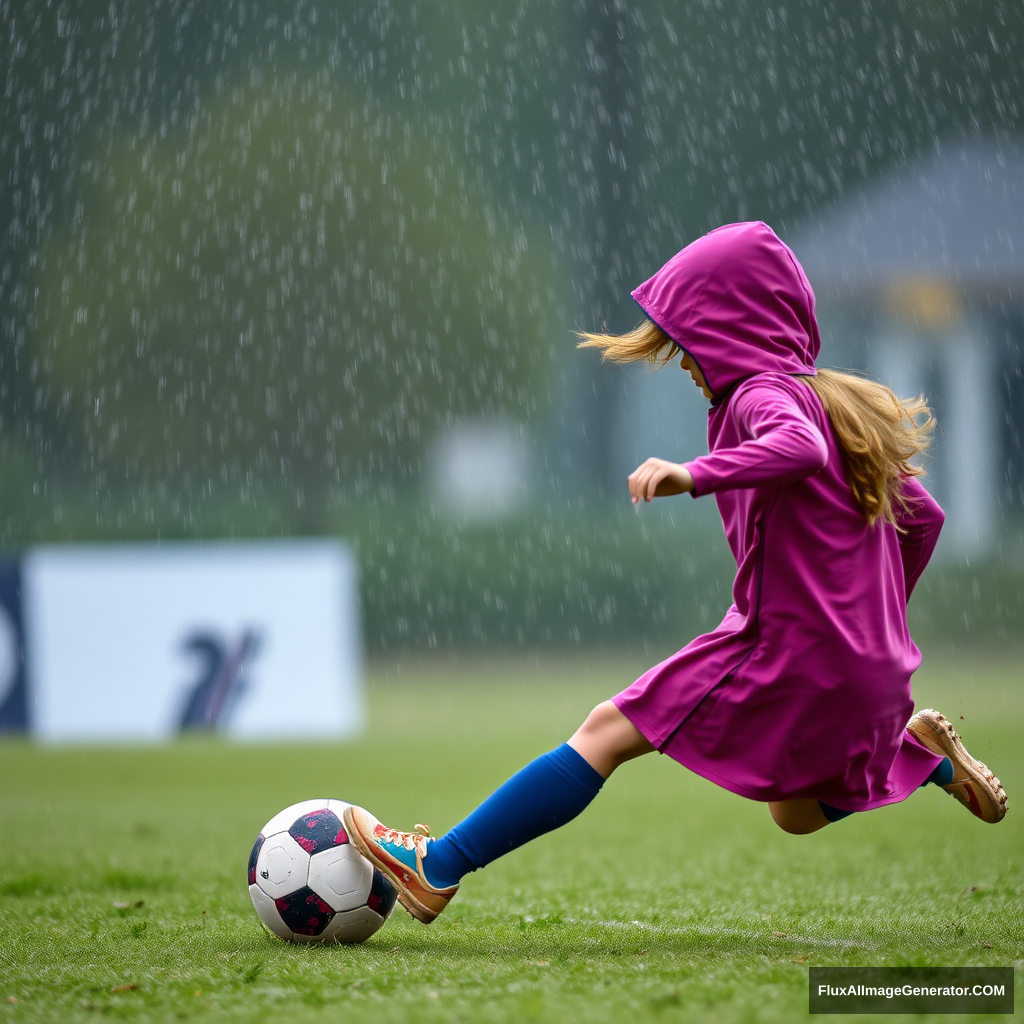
{"points": [[13, 695], [221, 680]]}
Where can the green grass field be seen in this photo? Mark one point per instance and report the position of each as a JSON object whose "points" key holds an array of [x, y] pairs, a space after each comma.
{"points": [[123, 895]]}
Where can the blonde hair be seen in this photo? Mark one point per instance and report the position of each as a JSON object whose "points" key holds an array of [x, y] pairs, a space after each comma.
{"points": [[878, 433], [647, 342]]}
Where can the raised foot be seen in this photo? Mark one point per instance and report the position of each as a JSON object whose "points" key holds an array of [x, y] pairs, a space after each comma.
{"points": [[399, 855], [973, 783]]}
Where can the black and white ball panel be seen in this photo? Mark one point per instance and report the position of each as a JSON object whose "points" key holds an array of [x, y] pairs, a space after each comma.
{"points": [[342, 876], [282, 866], [267, 912], [309, 884], [285, 819]]}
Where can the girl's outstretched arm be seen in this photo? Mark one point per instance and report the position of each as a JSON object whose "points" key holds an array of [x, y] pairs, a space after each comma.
{"points": [[782, 444], [919, 525], [658, 478]]}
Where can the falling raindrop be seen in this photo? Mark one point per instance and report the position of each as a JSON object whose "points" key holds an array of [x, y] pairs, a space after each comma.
{"points": [[261, 268]]}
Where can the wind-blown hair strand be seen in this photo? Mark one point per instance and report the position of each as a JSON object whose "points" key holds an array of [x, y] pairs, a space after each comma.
{"points": [[647, 342], [879, 434]]}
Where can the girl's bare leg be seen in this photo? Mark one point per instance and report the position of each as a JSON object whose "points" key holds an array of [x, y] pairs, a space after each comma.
{"points": [[607, 739], [798, 817]]}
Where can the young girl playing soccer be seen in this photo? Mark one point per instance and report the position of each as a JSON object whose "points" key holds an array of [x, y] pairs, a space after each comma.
{"points": [[801, 697]]}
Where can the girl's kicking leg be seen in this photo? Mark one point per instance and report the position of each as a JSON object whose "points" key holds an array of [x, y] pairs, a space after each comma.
{"points": [[798, 817], [607, 739], [962, 776], [549, 792]]}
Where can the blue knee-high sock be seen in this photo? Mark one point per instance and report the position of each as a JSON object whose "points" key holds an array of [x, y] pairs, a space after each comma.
{"points": [[543, 796], [833, 814], [941, 776]]}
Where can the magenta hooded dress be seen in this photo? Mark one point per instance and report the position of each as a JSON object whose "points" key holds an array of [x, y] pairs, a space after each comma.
{"points": [[803, 690]]}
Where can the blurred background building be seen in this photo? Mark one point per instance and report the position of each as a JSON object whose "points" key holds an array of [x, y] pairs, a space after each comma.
{"points": [[283, 269], [921, 281]]}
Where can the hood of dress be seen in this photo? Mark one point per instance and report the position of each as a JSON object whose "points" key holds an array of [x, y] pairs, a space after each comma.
{"points": [[739, 302]]}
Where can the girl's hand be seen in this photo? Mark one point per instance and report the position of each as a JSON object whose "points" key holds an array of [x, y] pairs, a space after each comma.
{"points": [[657, 478]]}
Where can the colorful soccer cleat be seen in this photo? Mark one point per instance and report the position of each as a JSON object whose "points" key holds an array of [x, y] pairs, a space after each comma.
{"points": [[399, 855], [973, 784]]}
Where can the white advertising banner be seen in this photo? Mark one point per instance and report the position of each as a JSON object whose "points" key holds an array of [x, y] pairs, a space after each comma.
{"points": [[256, 640]]}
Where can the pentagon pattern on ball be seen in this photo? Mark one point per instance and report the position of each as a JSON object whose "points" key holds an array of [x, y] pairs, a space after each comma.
{"points": [[383, 895], [318, 830], [284, 820], [304, 912], [309, 884], [348, 926], [256, 847], [343, 876], [282, 866], [267, 913]]}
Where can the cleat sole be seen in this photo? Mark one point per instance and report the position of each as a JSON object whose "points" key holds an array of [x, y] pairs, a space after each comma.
{"points": [[936, 732]]}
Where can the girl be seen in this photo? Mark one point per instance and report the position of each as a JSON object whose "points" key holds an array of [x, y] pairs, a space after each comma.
{"points": [[801, 697]]}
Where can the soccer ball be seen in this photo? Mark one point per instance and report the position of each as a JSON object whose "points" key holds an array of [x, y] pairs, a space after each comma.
{"points": [[308, 883]]}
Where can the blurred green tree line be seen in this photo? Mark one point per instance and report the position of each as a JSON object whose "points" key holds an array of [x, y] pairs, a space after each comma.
{"points": [[264, 235], [291, 286], [287, 241], [254, 256]]}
